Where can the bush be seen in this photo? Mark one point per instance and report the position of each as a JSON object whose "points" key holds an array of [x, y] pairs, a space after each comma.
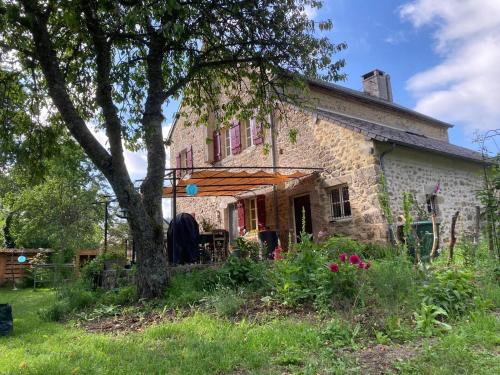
{"points": [[225, 301], [340, 334], [55, 312], [241, 271], [450, 289], [92, 271], [188, 289], [120, 296], [393, 281], [336, 245]]}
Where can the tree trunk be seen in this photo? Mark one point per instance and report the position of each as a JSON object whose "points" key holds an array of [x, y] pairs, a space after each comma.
{"points": [[152, 276], [453, 238]]}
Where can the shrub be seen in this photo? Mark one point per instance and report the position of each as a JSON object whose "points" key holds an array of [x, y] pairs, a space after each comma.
{"points": [[393, 281], [92, 271], [120, 296], [225, 301], [336, 245], [340, 334], [188, 289], [450, 289], [430, 319], [240, 271], [55, 312]]}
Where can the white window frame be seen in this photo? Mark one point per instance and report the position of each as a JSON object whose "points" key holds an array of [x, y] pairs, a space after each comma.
{"points": [[341, 203], [249, 124], [227, 142], [251, 214]]}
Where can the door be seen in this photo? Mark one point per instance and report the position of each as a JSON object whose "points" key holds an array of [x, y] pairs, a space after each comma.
{"points": [[233, 222], [302, 209]]}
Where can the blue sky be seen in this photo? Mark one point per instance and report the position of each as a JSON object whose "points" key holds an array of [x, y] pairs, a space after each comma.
{"points": [[443, 58]]}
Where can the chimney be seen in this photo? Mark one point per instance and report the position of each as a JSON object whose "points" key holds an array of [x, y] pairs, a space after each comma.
{"points": [[377, 83]]}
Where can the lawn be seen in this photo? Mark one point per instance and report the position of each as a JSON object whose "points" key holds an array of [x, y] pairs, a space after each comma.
{"points": [[205, 344], [199, 344]]}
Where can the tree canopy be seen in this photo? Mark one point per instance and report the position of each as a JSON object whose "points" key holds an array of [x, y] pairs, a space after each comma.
{"points": [[114, 64]]}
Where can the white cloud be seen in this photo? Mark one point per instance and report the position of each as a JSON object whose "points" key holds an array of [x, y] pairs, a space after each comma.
{"points": [[465, 86]]}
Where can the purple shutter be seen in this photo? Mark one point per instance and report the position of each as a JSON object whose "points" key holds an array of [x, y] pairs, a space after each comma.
{"points": [[261, 212], [257, 133], [189, 159], [178, 172], [217, 146], [241, 216], [236, 138]]}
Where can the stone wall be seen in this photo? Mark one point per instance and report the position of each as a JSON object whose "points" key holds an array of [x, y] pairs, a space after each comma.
{"points": [[346, 157], [411, 171], [368, 110]]}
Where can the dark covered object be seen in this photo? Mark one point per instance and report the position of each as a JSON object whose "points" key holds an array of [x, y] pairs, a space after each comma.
{"points": [[269, 241], [183, 239], [6, 324]]}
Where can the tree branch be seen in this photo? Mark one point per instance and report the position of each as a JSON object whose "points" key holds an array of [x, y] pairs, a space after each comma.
{"points": [[57, 86]]}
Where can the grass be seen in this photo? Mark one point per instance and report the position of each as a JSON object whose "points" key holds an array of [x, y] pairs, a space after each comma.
{"points": [[470, 348], [200, 344]]}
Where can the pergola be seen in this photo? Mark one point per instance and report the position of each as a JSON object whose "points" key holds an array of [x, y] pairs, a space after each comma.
{"points": [[227, 181]]}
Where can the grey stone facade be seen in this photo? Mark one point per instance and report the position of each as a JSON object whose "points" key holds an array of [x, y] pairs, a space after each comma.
{"points": [[347, 158]]}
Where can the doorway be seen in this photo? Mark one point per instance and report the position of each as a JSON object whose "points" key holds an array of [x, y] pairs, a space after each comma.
{"points": [[233, 222], [302, 207]]}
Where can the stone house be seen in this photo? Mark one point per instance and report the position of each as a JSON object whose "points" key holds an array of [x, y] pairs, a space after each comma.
{"points": [[353, 137]]}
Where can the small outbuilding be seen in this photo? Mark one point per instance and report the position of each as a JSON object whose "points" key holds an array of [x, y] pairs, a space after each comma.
{"points": [[10, 266]]}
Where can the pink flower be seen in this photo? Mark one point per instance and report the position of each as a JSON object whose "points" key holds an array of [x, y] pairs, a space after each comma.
{"points": [[368, 265], [343, 257], [334, 267], [361, 264], [354, 259]]}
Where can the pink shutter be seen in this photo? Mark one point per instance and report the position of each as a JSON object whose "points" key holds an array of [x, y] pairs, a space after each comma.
{"points": [[236, 138], [178, 173], [189, 161], [241, 216], [217, 146], [261, 212], [257, 133]]}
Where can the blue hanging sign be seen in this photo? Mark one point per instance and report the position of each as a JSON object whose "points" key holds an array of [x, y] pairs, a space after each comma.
{"points": [[191, 190], [21, 259]]}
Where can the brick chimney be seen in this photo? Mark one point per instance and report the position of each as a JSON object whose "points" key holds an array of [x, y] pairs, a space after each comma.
{"points": [[377, 83]]}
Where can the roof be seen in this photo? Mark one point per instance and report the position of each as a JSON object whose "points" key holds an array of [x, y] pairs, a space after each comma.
{"points": [[405, 138], [25, 251], [356, 94], [373, 99], [222, 183]]}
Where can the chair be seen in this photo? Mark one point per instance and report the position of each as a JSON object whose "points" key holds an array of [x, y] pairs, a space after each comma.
{"points": [[220, 245]]}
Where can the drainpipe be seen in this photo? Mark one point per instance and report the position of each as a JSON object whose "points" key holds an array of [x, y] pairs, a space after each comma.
{"points": [[275, 164], [392, 237]]}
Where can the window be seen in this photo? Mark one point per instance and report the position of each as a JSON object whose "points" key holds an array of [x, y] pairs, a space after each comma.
{"points": [[227, 142], [251, 214], [340, 203], [248, 136], [431, 203]]}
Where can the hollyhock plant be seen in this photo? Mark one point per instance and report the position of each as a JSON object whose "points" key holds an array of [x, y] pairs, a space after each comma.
{"points": [[343, 257], [354, 259], [334, 267], [361, 264]]}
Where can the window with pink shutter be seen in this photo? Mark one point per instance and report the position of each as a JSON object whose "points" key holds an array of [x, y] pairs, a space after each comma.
{"points": [[178, 172], [217, 146], [257, 132], [241, 217], [189, 159], [236, 138], [261, 211]]}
